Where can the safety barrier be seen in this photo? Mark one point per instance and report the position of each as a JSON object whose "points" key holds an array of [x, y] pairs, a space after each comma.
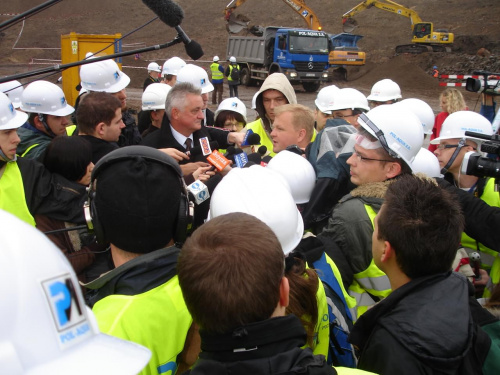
{"points": [[443, 79]]}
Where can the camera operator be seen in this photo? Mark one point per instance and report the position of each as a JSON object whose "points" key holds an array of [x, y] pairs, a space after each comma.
{"points": [[489, 87], [453, 145]]}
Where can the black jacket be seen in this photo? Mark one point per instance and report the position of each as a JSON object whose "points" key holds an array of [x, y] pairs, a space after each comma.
{"points": [[100, 147], [272, 346], [130, 133]]}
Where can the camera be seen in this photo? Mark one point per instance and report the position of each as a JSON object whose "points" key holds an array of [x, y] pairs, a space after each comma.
{"points": [[476, 165], [490, 84]]}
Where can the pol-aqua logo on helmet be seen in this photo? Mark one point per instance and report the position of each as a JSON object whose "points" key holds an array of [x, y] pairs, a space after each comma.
{"points": [[202, 81], [63, 100], [116, 75], [11, 108], [67, 310], [234, 104]]}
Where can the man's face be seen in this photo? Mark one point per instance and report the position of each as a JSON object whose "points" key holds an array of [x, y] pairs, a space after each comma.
{"points": [[377, 245], [122, 97], [364, 171], [205, 100], [57, 124], [284, 134], [272, 99], [321, 118], [444, 154], [8, 142], [112, 132], [187, 120], [347, 115]]}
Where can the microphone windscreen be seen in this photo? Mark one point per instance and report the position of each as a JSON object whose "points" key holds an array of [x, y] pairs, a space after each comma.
{"points": [[254, 158], [167, 11], [266, 159], [194, 50], [262, 150], [253, 139]]}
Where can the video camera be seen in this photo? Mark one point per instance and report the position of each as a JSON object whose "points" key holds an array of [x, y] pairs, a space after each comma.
{"points": [[489, 87], [476, 165]]}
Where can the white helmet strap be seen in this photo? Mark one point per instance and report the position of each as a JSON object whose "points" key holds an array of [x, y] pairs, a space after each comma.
{"points": [[461, 144]]}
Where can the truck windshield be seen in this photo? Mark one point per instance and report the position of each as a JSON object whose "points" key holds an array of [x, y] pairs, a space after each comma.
{"points": [[308, 44]]}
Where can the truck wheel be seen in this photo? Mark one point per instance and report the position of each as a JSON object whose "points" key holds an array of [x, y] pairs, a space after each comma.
{"points": [[245, 77], [311, 86]]}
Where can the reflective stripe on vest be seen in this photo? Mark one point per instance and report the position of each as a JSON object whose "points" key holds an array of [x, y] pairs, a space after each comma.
{"points": [[12, 198], [29, 149], [216, 73]]}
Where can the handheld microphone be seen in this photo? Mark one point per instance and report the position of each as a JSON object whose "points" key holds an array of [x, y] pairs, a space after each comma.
{"points": [[253, 139], [475, 259], [198, 150], [262, 150], [172, 14]]}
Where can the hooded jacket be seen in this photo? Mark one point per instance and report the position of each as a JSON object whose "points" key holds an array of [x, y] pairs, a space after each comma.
{"points": [[30, 137]]}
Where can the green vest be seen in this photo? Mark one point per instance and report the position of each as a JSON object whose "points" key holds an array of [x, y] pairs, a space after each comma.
{"points": [[265, 140], [216, 73], [12, 198], [157, 319], [231, 67]]}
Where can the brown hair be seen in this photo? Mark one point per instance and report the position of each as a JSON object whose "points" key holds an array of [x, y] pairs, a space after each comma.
{"points": [[230, 271], [94, 108], [303, 117]]}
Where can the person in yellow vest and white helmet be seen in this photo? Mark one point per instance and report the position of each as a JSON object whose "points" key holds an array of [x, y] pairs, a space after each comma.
{"points": [[217, 71]]}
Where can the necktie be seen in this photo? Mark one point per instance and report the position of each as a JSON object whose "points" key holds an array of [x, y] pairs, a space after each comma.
{"points": [[188, 144]]}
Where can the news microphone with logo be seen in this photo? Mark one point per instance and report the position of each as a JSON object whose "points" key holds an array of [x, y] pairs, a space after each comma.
{"points": [[198, 191], [198, 150]]}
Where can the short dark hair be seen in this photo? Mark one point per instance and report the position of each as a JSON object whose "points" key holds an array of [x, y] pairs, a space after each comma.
{"points": [[423, 223], [223, 116], [68, 156], [96, 107], [230, 271]]}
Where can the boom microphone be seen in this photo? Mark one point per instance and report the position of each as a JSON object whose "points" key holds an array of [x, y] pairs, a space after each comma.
{"points": [[172, 14]]}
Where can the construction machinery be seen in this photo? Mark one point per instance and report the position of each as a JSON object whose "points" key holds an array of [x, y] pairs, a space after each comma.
{"points": [[424, 37]]}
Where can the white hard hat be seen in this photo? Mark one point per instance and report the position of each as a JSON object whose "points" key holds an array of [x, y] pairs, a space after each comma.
{"points": [[232, 59], [196, 76], [103, 76], [298, 173], [154, 96], [45, 97], [173, 65], [422, 110], [14, 90], [456, 124], [9, 117], [324, 100], [216, 58], [154, 67], [385, 90], [233, 105], [349, 98], [426, 162], [400, 129], [264, 194], [45, 327]]}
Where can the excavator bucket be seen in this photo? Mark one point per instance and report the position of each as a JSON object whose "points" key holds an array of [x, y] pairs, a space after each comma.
{"points": [[236, 23], [349, 24]]}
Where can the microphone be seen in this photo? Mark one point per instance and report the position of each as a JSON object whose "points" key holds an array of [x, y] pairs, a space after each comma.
{"points": [[253, 139], [198, 150], [172, 14], [475, 258], [262, 150], [254, 158]]}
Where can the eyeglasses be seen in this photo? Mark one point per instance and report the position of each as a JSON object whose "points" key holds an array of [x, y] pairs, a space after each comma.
{"points": [[362, 158], [442, 146], [378, 133], [342, 116], [230, 125]]}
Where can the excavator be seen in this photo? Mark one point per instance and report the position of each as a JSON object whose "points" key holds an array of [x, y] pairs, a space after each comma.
{"points": [[343, 50], [424, 37]]}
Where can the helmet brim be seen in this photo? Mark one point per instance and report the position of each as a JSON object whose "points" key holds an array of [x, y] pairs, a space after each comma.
{"points": [[17, 121]]}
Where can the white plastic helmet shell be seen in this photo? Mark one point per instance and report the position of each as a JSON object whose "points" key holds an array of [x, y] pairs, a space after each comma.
{"points": [[216, 58], [232, 59], [154, 96], [422, 110], [154, 67], [401, 128], [233, 105], [349, 98], [45, 97], [197, 76], [9, 117], [103, 76], [45, 327], [262, 193], [456, 124], [172, 66], [298, 173], [14, 90], [426, 162], [385, 90], [325, 99]]}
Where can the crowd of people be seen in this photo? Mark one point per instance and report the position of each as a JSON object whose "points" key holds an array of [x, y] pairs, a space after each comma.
{"points": [[307, 241]]}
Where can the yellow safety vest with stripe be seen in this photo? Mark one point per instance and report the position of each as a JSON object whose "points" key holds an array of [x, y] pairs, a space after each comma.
{"points": [[231, 67], [371, 281], [12, 198], [216, 73], [157, 319]]}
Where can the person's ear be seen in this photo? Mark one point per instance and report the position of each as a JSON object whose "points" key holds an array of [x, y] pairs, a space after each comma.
{"points": [[284, 292], [99, 129], [393, 169]]}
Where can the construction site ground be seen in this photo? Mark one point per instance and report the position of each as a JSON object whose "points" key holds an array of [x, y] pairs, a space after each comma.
{"points": [[35, 43]]}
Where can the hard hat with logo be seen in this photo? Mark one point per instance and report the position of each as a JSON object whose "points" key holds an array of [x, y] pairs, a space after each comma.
{"points": [[233, 105], [14, 90], [45, 327], [426, 162], [349, 98], [45, 97], [385, 90], [103, 76], [216, 58], [9, 117], [154, 67], [397, 129], [172, 66], [264, 194], [197, 76], [154, 96], [232, 59], [422, 110], [298, 173], [456, 124], [324, 100]]}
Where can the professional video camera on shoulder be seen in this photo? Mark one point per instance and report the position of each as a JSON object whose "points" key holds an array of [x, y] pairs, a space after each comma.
{"points": [[490, 84], [476, 165]]}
